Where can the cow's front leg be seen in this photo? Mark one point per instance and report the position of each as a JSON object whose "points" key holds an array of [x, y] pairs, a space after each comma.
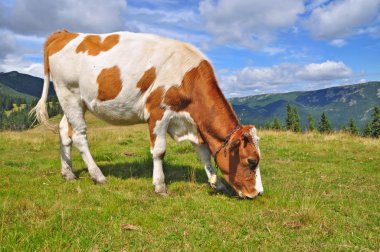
{"points": [[158, 148], [205, 156]]}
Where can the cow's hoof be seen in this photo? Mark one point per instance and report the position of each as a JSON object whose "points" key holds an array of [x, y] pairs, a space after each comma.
{"points": [[220, 187], [161, 189], [69, 176], [100, 180]]}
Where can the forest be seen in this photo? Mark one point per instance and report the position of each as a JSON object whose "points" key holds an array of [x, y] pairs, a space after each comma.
{"points": [[14, 112], [292, 123]]}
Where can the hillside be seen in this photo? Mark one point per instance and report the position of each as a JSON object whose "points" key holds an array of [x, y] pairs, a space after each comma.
{"points": [[339, 103], [11, 93], [24, 83], [321, 194]]}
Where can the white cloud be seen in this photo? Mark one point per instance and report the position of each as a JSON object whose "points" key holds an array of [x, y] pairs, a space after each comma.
{"points": [[340, 19], [181, 24], [373, 31], [328, 70], [283, 77], [338, 42], [16, 63], [251, 24], [315, 3], [25, 23], [16, 50], [41, 17], [8, 43], [177, 17]]}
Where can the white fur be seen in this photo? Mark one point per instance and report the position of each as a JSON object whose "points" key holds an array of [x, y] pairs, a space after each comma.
{"points": [[259, 185], [158, 151], [256, 140], [182, 127], [66, 143], [134, 54]]}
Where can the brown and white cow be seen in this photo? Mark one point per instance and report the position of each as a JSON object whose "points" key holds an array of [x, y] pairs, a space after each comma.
{"points": [[127, 78]]}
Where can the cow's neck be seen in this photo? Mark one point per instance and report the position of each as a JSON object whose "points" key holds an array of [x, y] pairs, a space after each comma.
{"points": [[211, 110], [216, 126]]}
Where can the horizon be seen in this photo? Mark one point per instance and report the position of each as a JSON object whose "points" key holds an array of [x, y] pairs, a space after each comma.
{"points": [[237, 97], [256, 48]]}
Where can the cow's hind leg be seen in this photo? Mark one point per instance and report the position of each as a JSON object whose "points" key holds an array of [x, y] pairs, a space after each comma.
{"points": [[205, 156], [157, 132], [65, 137], [74, 110]]}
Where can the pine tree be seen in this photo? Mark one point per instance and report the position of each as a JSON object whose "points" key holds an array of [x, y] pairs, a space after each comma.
{"points": [[292, 119], [276, 124], [324, 124], [367, 129], [352, 128], [297, 119], [289, 117], [375, 125], [311, 122]]}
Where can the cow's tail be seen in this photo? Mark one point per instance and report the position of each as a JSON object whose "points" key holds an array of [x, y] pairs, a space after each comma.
{"points": [[40, 110]]}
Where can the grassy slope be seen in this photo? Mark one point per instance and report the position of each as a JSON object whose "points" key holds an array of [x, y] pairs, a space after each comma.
{"points": [[321, 193], [7, 91]]}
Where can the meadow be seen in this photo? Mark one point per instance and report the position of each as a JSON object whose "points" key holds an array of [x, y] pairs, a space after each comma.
{"points": [[322, 192]]}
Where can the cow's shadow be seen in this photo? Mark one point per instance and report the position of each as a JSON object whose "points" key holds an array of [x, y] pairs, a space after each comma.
{"points": [[143, 168]]}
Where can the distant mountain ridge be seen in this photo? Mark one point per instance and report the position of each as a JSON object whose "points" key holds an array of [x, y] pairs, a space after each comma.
{"points": [[24, 83], [339, 103]]}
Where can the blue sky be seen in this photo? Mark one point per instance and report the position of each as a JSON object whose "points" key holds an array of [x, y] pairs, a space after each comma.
{"points": [[255, 46]]}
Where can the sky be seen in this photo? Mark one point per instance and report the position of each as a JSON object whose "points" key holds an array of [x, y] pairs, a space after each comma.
{"points": [[255, 46]]}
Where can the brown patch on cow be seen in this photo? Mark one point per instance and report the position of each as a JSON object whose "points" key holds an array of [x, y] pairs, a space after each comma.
{"points": [[200, 96], [93, 45], [55, 43], [69, 130], [109, 83], [156, 111], [147, 79]]}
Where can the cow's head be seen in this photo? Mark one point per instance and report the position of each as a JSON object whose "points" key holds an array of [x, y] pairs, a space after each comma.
{"points": [[239, 159]]}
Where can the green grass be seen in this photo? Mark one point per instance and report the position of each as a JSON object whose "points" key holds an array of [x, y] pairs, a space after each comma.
{"points": [[321, 193], [7, 91]]}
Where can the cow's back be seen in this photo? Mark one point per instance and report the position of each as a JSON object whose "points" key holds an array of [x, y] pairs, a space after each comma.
{"points": [[116, 73]]}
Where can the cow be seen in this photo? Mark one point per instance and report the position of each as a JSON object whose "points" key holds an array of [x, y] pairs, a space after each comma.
{"points": [[127, 78]]}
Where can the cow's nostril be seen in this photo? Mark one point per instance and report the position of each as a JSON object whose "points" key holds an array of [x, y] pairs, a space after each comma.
{"points": [[260, 193]]}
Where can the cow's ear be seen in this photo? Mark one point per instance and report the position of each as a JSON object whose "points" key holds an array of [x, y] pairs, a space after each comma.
{"points": [[234, 143]]}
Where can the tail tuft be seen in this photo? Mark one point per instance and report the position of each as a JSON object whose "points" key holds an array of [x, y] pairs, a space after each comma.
{"points": [[40, 110]]}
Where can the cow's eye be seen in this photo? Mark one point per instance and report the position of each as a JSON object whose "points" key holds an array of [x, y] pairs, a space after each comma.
{"points": [[252, 163]]}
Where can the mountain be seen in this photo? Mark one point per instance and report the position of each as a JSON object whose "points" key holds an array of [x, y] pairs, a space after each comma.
{"points": [[24, 83], [339, 103]]}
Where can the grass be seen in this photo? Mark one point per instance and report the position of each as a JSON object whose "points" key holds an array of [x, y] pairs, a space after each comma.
{"points": [[321, 193]]}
